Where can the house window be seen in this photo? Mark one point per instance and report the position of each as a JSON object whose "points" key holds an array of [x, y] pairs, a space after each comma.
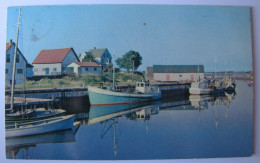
{"points": [[7, 58], [54, 69], [17, 58], [19, 71], [180, 76], [35, 69], [95, 69], [86, 69], [6, 70]]}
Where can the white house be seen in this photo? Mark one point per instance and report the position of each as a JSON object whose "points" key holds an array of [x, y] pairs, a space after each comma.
{"points": [[102, 56], [84, 68], [21, 62], [176, 72], [53, 61]]}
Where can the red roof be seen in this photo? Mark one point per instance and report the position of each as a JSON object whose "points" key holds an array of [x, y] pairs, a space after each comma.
{"points": [[8, 45], [52, 56], [87, 64]]}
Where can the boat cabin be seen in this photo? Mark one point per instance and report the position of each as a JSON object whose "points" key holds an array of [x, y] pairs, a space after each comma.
{"points": [[143, 87]]}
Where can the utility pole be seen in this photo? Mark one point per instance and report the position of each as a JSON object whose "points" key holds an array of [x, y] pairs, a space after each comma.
{"points": [[14, 63]]}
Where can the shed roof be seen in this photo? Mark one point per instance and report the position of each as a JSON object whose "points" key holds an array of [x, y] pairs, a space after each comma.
{"points": [[178, 69], [97, 53], [87, 64], [52, 55]]}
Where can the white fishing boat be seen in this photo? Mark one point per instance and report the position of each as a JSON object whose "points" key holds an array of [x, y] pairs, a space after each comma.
{"points": [[39, 127], [203, 87], [200, 87]]}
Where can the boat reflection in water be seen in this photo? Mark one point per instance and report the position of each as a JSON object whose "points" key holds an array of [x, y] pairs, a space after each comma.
{"points": [[21, 146], [109, 115]]}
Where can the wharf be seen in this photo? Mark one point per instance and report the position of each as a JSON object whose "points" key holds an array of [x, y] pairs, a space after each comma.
{"points": [[49, 93], [53, 90], [30, 102]]}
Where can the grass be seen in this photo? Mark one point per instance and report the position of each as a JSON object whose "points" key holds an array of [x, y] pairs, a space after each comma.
{"points": [[122, 78]]}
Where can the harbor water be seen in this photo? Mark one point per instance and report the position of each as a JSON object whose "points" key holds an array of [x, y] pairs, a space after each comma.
{"points": [[175, 127]]}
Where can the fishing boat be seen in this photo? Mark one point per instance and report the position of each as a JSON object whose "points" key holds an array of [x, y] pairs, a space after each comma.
{"points": [[39, 127], [143, 92], [19, 115], [203, 87], [200, 88], [37, 114]]}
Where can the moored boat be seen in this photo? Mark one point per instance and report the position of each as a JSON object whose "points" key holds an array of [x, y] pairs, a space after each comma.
{"points": [[143, 92], [39, 127], [39, 113], [203, 87], [200, 87]]}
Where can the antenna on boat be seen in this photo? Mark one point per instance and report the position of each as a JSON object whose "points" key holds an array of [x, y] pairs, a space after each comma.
{"points": [[14, 63]]}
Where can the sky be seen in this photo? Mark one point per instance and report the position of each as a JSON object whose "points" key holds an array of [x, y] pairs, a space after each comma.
{"points": [[217, 37]]}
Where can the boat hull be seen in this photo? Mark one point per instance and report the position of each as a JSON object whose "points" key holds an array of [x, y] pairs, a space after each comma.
{"points": [[197, 91], [40, 127], [99, 97]]}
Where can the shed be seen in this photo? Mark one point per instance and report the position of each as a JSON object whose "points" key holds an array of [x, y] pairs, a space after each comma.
{"points": [[84, 68], [178, 72]]}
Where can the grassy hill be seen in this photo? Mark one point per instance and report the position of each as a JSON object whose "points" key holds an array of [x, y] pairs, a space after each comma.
{"points": [[70, 81]]}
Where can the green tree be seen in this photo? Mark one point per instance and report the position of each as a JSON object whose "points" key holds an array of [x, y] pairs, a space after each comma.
{"points": [[88, 58], [130, 60]]}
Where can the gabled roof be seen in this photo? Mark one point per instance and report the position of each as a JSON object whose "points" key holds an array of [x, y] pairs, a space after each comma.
{"points": [[178, 69], [28, 65], [87, 64], [97, 53], [52, 55], [8, 45]]}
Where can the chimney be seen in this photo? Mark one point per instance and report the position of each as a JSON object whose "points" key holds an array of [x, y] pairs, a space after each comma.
{"points": [[11, 41]]}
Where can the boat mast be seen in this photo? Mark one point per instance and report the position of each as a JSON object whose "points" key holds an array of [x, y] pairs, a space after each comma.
{"points": [[14, 63]]}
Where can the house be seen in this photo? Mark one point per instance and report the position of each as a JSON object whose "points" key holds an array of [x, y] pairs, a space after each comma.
{"points": [[81, 57], [21, 63], [29, 70], [175, 72], [84, 68], [102, 56], [53, 61]]}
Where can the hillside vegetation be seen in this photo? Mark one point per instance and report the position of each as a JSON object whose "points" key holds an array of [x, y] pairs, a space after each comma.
{"points": [[122, 78]]}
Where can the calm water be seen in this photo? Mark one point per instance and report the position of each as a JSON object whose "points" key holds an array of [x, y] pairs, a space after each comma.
{"points": [[176, 127]]}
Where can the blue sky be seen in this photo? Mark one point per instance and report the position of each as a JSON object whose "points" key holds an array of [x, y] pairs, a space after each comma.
{"points": [[162, 34]]}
